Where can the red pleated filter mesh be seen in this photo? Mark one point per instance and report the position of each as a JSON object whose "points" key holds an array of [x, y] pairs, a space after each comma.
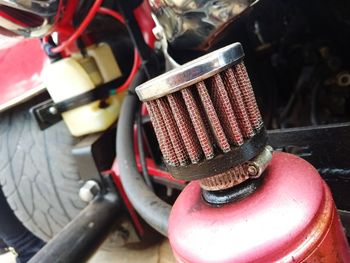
{"points": [[207, 119]]}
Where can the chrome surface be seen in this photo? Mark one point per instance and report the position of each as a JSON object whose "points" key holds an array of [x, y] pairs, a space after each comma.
{"points": [[159, 33], [194, 24], [45, 13], [191, 72]]}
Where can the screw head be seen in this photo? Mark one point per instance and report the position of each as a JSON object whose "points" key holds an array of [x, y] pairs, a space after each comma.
{"points": [[252, 170], [89, 190], [53, 110]]}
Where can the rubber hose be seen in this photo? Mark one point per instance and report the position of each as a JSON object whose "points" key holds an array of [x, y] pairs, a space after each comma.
{"points": [[150, 207]]}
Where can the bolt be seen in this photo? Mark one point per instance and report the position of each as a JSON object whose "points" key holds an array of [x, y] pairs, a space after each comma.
{"points": [[343, 79], [53, 110], [89, 190], [169, 191], [253, 171]]}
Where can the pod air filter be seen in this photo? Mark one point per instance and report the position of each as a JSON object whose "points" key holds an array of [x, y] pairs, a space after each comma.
{"points": [[206, 119]]}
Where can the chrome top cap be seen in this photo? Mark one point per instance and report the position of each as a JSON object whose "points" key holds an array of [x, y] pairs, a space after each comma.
{"points": [[190, 73]]}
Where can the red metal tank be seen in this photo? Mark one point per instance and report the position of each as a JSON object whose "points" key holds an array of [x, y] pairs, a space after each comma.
{"points": [[291, 217]]}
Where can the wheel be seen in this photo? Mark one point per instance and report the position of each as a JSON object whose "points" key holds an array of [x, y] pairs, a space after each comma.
{"points": [[38, 173]]}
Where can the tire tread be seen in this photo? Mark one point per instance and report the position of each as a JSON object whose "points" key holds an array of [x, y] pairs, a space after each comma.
{"points": [[37, 172]]}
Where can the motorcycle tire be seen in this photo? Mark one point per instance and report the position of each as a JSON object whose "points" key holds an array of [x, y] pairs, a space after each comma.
{"points": [[38, 174]]}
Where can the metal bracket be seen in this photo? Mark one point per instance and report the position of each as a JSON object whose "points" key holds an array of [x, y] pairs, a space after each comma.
{"points": [[94, 154], [327, 148], [159, 33], [46, 114]]}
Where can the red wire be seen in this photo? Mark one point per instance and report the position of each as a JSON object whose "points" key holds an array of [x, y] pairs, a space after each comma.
{"points": [[135, 67], [102, 10], [110, 12], [137, 60], [94, 9]]}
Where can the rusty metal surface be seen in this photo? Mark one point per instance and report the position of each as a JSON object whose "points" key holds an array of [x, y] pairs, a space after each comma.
{"points": [[232, 177], [333, 247]]}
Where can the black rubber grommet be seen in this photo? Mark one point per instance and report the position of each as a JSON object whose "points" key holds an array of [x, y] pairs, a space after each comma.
{"points": [[232, 194]]}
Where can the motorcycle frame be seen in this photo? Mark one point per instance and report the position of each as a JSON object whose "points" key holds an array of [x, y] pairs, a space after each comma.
{"points": [[22, 80]]}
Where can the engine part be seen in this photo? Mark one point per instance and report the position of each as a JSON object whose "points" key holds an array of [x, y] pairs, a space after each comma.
{"points": [[206, 119], [209, 129], [290, 217], [195, 24]]}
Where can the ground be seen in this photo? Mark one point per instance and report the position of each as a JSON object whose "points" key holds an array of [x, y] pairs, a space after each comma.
{"points": [[159, 253]]}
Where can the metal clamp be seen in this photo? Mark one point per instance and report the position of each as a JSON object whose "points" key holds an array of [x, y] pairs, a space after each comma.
{"points": [[223, 162], [48, 112], [257, 165]]}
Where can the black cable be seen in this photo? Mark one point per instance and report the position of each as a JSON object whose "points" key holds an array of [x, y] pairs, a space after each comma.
{"points": [[313, 106], [142, 154], [148, 56], [304, 77]]}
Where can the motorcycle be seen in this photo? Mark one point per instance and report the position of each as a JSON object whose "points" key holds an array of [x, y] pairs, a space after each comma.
{"points": [[75, 135]]}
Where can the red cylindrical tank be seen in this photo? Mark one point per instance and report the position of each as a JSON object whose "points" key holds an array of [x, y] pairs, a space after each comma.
{"points": [[291, 217]]}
